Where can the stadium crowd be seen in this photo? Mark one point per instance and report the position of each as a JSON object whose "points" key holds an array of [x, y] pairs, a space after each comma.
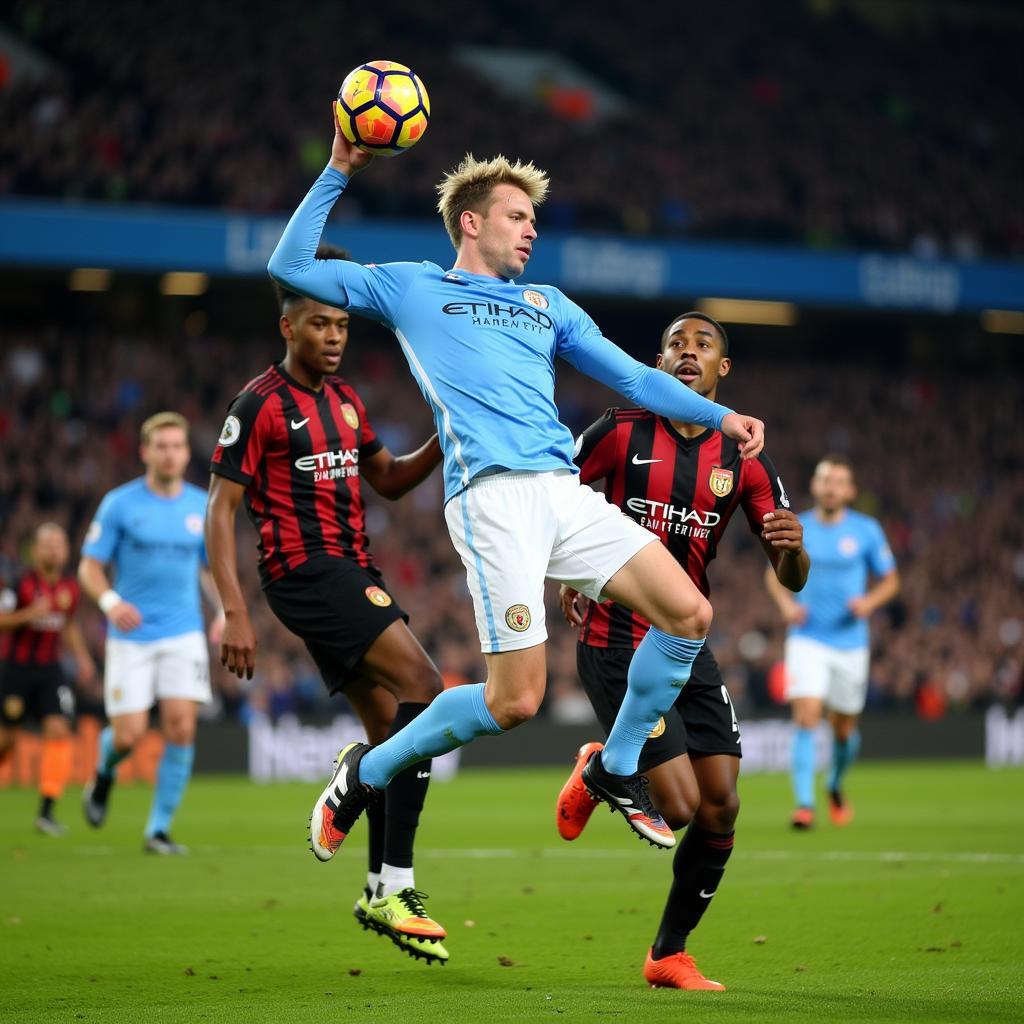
{"points": [[942, 466], [829, 129]]}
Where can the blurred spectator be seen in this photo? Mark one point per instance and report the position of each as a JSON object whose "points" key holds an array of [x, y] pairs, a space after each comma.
{"points": [[797, 122]]}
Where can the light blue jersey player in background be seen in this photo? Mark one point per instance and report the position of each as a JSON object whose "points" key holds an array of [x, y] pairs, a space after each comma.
{"points": [[142, 562], [482, 348], [827, 646]]}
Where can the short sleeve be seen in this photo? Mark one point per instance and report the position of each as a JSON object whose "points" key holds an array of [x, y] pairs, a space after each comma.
{"points": [[880, 557], [762, 492], [595, 449], [376, 290], [247, 431], [104, 533], [369, 442]]}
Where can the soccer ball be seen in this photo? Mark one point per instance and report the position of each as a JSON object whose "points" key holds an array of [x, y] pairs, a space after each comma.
{"points": [[383, 108]]}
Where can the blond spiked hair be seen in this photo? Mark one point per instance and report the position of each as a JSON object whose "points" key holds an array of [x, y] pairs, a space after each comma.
{"points": [[160, 420], [469, 186]]}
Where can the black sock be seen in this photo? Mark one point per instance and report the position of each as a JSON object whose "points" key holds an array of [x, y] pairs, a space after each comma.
{"points": [[375, 819], [698, 867], [404, 799], [46, 807]]}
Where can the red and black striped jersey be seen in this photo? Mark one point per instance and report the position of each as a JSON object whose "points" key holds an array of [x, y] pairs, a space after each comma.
{"points": [[37, 643], [685, 490], [297, 453]]}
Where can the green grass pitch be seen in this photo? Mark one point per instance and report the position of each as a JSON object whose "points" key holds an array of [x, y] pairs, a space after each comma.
{"points": [[914, 913]]}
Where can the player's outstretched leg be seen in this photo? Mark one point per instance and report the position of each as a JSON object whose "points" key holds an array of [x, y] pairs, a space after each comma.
{"points": [[628, 795], [575, 805], [96, 795], [678, 970]]}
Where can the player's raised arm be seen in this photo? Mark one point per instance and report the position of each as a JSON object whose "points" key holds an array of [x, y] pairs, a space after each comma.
{"points": [[593, 354], [393, 476]]}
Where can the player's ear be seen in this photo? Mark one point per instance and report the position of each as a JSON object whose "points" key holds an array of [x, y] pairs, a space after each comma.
{"points": [[469, 221], [724, 366], [284, 325], [659, 360]]}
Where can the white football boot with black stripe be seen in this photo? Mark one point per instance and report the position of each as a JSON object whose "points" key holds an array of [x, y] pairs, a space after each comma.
{"points": [[344, 798]]}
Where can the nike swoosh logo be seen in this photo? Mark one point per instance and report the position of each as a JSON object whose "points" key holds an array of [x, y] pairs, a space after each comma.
{"points": [[708, 895], [297, 424], [637, 461], [423, 775]]}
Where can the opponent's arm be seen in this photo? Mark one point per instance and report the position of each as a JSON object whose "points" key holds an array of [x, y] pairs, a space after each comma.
{"points": [[12, 617], [783, 543], [95, 582], [596, 356], [880, 594], [209, 589], [238, 643], [391, 476]]}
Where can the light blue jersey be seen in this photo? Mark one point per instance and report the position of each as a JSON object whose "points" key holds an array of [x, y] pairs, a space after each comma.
{"points": [[842, 555], [155, 548], [482, 349]]}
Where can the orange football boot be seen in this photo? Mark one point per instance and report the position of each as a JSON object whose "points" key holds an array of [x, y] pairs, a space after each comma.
{"points": [[803, 819], [840, 811], [575, 805], [678, 971]]}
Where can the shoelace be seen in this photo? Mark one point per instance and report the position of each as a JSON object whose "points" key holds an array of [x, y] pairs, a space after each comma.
{"points": [[637, 788], [413, 901]]}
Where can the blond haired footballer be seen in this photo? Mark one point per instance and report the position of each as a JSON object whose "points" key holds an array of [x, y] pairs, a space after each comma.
{"points": [[143, 562], [482, 347]]}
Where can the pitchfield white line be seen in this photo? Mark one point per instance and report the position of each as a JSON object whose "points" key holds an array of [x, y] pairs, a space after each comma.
{"points": [[583, 853], [872, 857]]}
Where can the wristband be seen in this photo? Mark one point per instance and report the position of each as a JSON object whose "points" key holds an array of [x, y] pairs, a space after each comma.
{"points": [[109, 600]]}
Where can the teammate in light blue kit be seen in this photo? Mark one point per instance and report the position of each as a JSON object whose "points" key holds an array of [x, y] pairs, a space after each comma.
{"points": [[150, 532], [827, 649], [482, 347]]}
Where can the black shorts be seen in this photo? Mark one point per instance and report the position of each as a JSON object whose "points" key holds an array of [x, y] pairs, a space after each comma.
{"points": [[338, 609], [33, 691], [702, 720]]}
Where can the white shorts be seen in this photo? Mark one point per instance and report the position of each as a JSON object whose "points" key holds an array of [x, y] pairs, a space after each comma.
{"points": [[837, 676], [139, 673], [514, 530]]}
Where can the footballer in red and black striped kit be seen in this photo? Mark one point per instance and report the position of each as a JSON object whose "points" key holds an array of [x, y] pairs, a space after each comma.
{"points": [[297, 446], [683, 483], [37, 616]]}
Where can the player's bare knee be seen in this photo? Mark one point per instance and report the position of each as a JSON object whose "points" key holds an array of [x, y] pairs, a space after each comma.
{"points": [[677, 813], [719, 811], [422, 685], [692, 620], [126, 737], [512, 711], [180, 732]]}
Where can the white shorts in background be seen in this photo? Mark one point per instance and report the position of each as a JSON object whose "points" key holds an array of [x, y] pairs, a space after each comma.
{"points": [[835, 675], [514, 530], [138, 674]]}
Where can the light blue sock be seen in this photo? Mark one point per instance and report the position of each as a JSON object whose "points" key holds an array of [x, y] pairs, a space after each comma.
{"points": [[171, 779], [109, 758], [803, 767], [844, 753], [658, 671], [454, 717]]}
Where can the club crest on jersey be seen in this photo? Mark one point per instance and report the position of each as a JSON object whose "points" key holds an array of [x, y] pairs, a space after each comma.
{"points": [[14, 707], [381, 598], [518, 618], [230, 432], [194, 523], [658, 730], [720, 481], [349, 414], [538, 299]]}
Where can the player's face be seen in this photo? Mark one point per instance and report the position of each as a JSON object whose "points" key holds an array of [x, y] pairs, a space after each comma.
{"points": [[832, 487], [692, 352], [50, 550], [506, 232], [166, 454], [316, 336]]}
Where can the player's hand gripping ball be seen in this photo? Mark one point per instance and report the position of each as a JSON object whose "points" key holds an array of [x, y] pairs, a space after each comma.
{"points": [[383, 108]]}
